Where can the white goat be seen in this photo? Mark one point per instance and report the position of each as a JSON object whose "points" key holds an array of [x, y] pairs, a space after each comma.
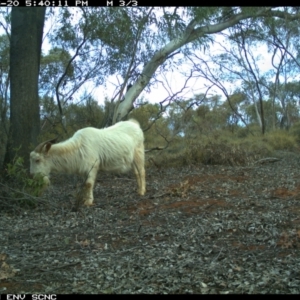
{"points": [[116, 148]]}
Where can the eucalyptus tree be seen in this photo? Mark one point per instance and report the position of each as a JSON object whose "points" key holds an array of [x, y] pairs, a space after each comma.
{"points": [[4, 91], [281, 36], [240, 64], [4, 79], [283, 41], [139, 43], [25, 51], [192, 29]]}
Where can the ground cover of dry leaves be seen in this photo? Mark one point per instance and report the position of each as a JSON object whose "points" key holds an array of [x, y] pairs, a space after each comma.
{"points": [[198, 229]]}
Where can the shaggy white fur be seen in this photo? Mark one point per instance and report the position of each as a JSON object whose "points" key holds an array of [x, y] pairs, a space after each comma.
{"points": [[116, 148]]}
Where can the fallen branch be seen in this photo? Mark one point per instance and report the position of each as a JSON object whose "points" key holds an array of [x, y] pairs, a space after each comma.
{"points": [[155, 148], [267, 160]]}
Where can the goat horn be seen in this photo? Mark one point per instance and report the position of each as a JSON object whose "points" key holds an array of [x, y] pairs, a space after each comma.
{"points": [[39, 147]]}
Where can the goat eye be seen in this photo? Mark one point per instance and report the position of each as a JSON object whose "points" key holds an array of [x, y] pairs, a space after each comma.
{"points": [[37, 160]]}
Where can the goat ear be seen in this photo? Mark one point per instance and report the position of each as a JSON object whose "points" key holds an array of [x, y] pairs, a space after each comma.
{"points": [[45, 146], [48, 144]]}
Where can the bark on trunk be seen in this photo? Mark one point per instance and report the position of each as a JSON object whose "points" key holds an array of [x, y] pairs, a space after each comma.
{"points": [[25, 50]]}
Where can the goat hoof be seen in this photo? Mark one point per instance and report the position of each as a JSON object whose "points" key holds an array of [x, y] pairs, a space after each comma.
{"points": [[88, 203]]}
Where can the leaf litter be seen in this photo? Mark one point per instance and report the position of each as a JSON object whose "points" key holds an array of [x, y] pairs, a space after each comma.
{"points": [[198, 229]]}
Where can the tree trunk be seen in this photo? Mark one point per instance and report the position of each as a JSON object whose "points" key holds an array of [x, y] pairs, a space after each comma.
{"points": [[25, 51]]}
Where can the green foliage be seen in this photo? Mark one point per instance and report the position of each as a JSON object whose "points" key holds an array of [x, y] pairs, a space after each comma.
{"points": [[203, 14], [53, 65], [77, 116], [250, 130], [281, 140], [295, 131], [23, 186], [145, 114], [85, 114]]}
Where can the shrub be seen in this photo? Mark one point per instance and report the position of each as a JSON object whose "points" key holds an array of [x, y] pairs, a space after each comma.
{"points": [[25, 189], [220, 148], [295, 131], [281, 140]]}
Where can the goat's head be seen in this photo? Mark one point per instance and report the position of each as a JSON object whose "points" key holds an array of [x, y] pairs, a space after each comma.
{"points": [[40, 162]]}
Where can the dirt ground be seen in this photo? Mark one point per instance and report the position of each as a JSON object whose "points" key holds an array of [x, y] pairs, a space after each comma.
{"points": [[198, 229]]}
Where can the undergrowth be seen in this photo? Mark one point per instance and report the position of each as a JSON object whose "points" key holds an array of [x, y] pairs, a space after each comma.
{"points": [[222, 148], [19, 188]]}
